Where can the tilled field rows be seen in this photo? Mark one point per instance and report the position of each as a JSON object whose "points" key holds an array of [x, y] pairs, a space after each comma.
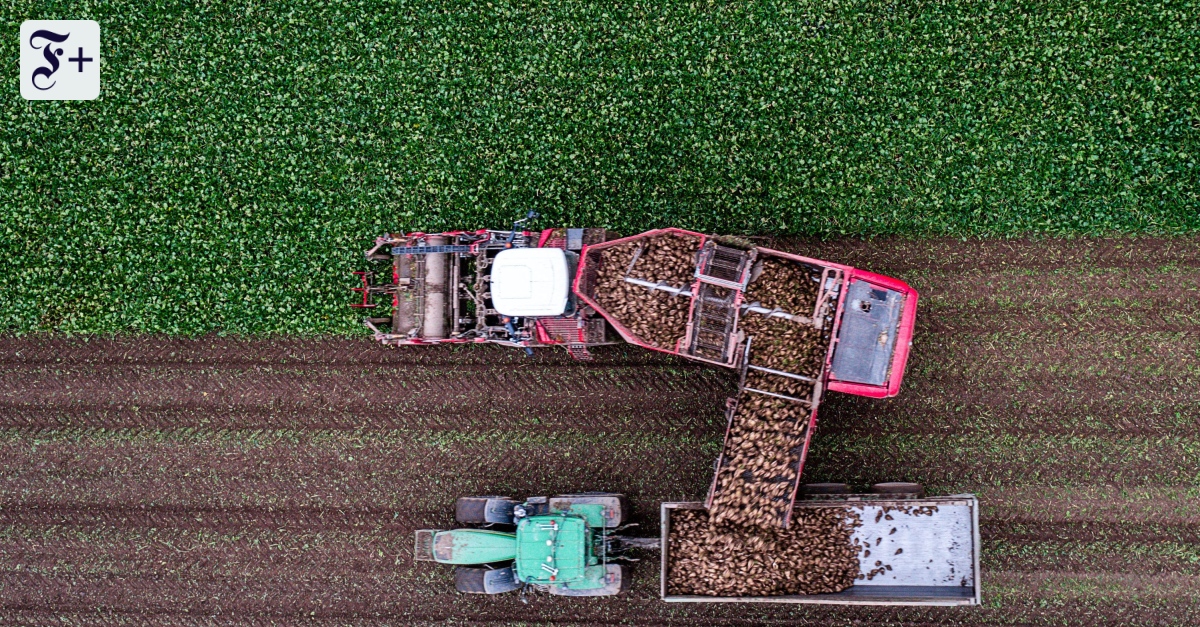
{"points": [[280, 480], [169, 395]]}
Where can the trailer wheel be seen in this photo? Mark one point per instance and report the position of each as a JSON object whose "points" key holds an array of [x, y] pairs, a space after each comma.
{"points": [[826, 488], [472, 510], [899, 488]]}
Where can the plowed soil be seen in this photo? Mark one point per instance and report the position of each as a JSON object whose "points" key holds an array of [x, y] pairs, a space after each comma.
{"points": [[277, 481]]}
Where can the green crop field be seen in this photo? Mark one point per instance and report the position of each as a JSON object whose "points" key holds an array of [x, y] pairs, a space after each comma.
{"points": [[242, 154]]}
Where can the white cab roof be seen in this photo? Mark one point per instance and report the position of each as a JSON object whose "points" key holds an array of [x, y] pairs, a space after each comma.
{"points": [[530, 282]]}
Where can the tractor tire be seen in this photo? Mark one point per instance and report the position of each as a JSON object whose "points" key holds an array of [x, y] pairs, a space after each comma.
{"points": [[621, 498], [826, 488], [610, 589], [626, 579], [899, 489], [469, 580], [472, 510]]}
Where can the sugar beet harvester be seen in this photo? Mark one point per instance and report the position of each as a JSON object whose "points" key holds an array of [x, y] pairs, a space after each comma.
{"points": [[529, 289], [565, 545]]}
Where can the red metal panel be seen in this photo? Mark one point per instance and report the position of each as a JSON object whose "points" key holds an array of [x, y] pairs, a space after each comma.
{"points": [[803, 259], [566, 327]]}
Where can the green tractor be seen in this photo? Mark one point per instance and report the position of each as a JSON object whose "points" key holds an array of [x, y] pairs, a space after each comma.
{"points": [[565, 545]]}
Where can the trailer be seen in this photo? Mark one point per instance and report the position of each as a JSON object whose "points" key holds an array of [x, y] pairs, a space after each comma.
{"points": [[937, 564]]}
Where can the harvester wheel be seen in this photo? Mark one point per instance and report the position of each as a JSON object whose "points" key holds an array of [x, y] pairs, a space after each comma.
{"points": [[472, 510], [826, 488], [899, 488]]}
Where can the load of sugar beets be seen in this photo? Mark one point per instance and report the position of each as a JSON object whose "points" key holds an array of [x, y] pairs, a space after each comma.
{"points": [[790, 327]]}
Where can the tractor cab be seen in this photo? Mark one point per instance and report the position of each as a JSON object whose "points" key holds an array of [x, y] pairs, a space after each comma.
{"points": [[557, 549]]}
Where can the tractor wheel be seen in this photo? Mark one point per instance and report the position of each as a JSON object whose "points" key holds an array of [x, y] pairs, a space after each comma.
{"points": [[626, 580], [469, 580], [485, 580], [621, 498], [826, 488], [900, 489], [472, 510], [616, 582]]}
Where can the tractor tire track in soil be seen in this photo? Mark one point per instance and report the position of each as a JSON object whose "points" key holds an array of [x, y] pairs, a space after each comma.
{"points": [[242, 481]]}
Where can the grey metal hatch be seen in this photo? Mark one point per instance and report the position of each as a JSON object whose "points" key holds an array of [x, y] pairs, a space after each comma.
{"points": [[867, 336]]}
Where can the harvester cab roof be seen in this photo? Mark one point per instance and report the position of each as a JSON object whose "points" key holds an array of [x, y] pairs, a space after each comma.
{"points": [[531, 282]]}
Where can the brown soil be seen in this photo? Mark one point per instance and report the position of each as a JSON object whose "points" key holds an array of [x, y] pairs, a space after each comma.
{"points": [[279, 481]]}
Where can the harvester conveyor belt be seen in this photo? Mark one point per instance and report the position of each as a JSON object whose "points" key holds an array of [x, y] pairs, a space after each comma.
{"points": [[783, 396]]}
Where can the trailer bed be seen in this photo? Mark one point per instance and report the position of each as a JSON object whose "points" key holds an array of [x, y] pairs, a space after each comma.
{"points": [[938, 563]]}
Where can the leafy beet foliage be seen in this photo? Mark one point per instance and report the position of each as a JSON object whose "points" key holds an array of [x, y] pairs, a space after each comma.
{"points": [[241, 155]]}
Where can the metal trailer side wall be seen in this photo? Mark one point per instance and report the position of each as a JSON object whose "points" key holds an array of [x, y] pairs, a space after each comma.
{"points": [[939, 564]]}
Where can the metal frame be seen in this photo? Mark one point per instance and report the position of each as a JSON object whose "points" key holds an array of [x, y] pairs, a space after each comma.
{"points": [[907, 325]]}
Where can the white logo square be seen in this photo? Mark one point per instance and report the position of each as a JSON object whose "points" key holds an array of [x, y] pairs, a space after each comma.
{"points": [[60, 60]]}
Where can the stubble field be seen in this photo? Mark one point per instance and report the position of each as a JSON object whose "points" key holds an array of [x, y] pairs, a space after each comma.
{"points": [[223, 480]]}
